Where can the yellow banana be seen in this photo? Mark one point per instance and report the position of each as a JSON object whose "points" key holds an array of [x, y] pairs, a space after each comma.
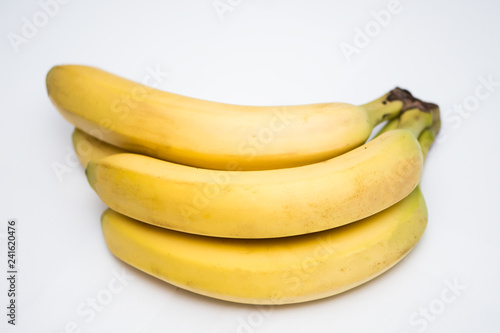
{"points": [[270, 203], [271, 271], [214, 135], [88, 148]]}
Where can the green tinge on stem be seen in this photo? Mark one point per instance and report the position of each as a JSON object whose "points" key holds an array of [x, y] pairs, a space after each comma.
{"points": [[391, 125], [395, 102], [382, 109], [427, 133], [426, 139], [415, 120], [436, 120], [428, 136]]}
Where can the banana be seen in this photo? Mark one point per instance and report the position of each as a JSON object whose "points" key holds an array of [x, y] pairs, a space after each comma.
{"points": [[214, 135], [271, 271], [88, 148], [270, 203]]}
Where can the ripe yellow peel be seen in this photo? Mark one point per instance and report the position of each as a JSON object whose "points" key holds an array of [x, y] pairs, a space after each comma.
{"points": [[261, 204], [88, 148], [208, 134], [271, 271]]}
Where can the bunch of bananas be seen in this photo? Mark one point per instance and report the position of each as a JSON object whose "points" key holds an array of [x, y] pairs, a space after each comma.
{"points": [[261, 205]]}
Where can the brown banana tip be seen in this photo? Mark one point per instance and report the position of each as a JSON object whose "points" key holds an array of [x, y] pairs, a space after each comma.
{"points": [[409, 101]]}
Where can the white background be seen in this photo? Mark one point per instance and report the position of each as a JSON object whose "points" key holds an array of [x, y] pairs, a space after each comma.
{"points": [[262, 53]]}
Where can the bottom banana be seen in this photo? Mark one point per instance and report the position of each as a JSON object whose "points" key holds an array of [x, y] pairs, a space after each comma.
{"points": [[271, 271]]}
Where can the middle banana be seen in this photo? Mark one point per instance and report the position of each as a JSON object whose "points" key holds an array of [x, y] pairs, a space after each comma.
{"points": [[269, 203]]}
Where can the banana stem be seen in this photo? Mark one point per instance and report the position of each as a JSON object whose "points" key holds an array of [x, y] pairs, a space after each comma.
{"points": [[426, 140], [391, 125], [382, 109], [426, 137], [392, 104], [415, 120]]}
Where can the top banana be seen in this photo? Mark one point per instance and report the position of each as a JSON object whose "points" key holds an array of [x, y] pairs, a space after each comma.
{"points": [[214, 135]]}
